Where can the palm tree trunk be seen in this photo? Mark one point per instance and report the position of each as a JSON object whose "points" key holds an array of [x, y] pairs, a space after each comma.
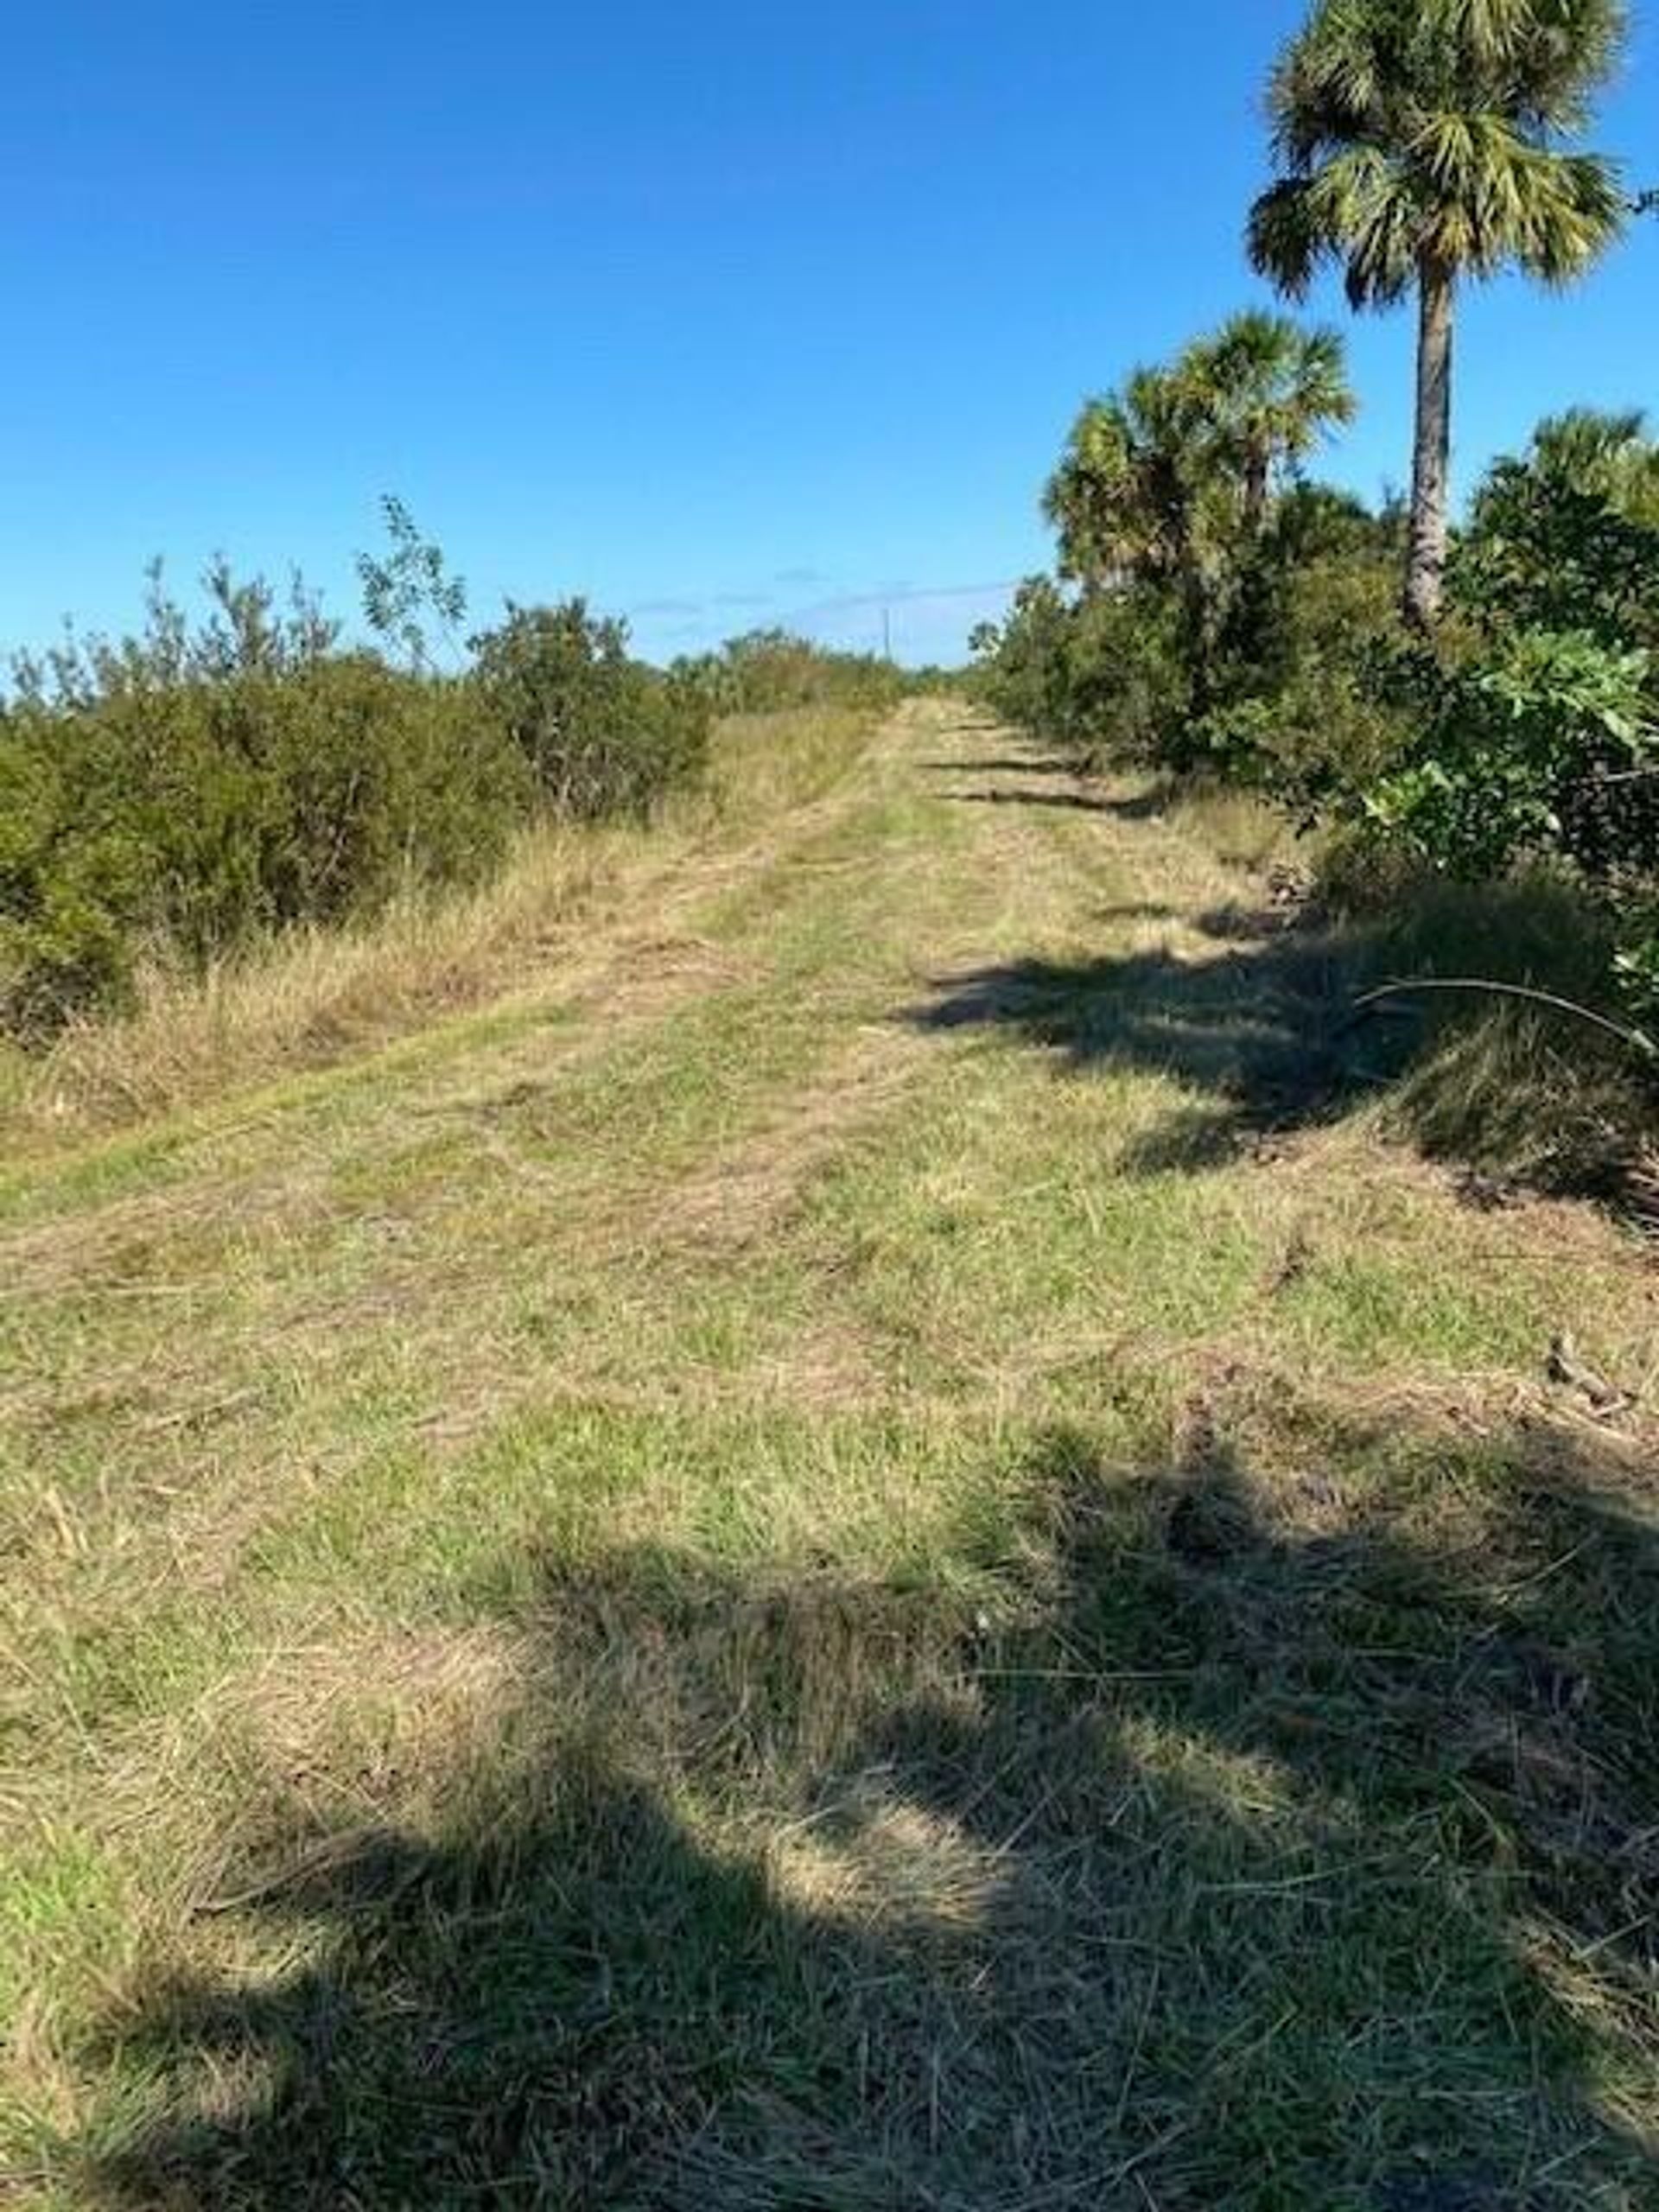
{"points": [[1257, 473], [1195, 603], [1432, 453]]}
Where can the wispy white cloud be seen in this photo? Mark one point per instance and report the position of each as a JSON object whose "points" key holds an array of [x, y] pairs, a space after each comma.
{"points": [[939, 597]]}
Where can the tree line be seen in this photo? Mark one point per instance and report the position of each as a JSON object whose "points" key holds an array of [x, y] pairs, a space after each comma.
{"points": [[1477, 700], [170, 798]]}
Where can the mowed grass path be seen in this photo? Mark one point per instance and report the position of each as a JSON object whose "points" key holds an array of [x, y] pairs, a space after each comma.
{"points": [[864, 1551]]}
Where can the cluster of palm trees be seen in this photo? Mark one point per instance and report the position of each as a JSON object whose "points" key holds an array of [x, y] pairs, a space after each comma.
{"points": [[1419, 146], [1199, 444], [1168, 482]]}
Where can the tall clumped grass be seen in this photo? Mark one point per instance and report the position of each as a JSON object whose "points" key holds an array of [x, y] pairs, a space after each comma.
{"points": [[1524, 1091]]}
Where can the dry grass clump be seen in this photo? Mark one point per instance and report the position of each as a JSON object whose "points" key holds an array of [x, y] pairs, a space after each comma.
{"points": [[1242, 831]]}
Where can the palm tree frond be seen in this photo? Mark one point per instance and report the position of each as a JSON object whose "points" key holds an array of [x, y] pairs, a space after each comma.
{"points": [[1284, 239], [1418, 142], [1365, 199]]}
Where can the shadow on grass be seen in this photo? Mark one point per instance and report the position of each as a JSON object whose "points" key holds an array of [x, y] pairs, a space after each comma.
{"points": [[1077, 802], [1204, 1840], [1267, 1036], [1263, 1031], [1264, 1036], [1035, 763], [1082, 795], [1134, 806]]}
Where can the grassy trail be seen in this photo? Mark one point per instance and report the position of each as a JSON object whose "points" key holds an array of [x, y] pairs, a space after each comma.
{"points": [[862, 1551]]}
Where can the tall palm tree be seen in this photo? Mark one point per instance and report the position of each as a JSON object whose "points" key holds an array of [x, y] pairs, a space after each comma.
{"points": [[1269, 390], [1420, 144]]}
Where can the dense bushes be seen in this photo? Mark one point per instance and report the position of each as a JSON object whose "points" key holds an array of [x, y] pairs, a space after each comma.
{"points": [[1095, 675], [1521, 735], [1527, 726], [769, 671], [1530, 743], [176, 794], [173, 795], [603, 733]]}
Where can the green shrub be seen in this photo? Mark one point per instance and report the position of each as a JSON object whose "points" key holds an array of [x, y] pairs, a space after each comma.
{"points": [[187, 789], [770, 671], [72, 885], [1516, 749], [602, 733], [1536, 713], [1262, 684], [174, 794], [1566, 537], [1098, 674], [1296, 713], [1529, 726]]}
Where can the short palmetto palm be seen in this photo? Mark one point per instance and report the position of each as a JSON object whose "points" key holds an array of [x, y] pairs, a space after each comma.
{"points": [[1269, 390], [1420, 142], [1157, 471], [1609, 457], [1121, 496], [1166, 481]]}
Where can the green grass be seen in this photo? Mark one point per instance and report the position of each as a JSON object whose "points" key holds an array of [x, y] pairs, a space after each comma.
{"points": [[872, 1544]]}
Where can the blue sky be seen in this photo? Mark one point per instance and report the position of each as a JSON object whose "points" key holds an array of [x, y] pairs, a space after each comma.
{"points": [[721, 314]]}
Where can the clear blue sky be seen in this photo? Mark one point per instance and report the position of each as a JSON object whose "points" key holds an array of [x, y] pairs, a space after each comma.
{"points": [[722, 314]]}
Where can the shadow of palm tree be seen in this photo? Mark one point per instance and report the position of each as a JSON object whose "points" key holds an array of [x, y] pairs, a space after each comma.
{"points": [[1078, 802], [1261, 1032], [1225, 1845], [1034, 764]]}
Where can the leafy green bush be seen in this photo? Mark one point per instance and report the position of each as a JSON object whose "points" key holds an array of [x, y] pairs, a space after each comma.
{"points": [[1567, 537], [1535, 713], [1525, 744], [1522, 747], [72, 886], [1106, 672], [187, 789], [1097, 674], [1528, 727], [1296, 714], [603, 733]]}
